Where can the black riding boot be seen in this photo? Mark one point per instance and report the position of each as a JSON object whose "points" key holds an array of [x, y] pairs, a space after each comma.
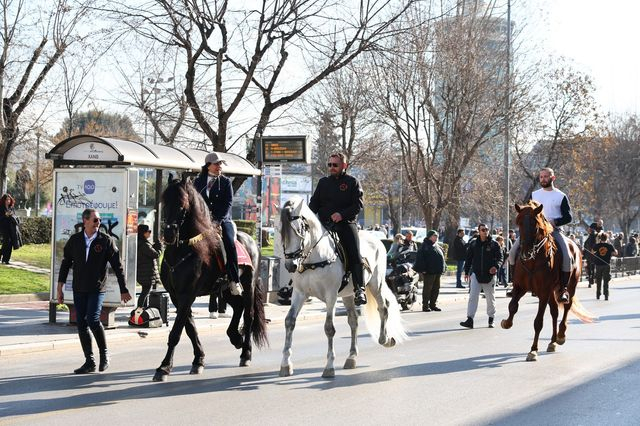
{"points": [[358, 285], [89, 365], [564, 283], [101, 340]]}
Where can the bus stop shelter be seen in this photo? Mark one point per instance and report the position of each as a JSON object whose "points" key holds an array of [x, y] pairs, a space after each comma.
{"points": [[105, 173]]}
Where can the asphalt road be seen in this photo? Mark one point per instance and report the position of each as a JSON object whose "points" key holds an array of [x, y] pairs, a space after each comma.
{"points": [[443, 375]]}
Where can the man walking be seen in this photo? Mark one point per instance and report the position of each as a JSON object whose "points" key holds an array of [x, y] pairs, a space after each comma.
{"points": [[459, 255], [88, 252], [603, 252], [337, 200], [430, 263], [485, 258]]}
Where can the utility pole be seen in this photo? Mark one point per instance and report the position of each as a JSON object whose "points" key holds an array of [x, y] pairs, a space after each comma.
{"points": [[38, 134], [507, 203]]}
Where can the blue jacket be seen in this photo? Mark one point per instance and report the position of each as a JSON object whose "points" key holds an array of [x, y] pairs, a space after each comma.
{"points": [[220, 196]]}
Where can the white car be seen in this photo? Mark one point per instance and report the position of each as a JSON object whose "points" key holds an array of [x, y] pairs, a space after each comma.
{"points": [[377, 234]]}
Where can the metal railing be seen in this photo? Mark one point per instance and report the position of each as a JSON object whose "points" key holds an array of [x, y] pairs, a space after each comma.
{"points": [[620, 267]]}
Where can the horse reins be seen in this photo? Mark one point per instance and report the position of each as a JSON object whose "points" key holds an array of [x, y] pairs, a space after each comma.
{"points": [[299, 254]]}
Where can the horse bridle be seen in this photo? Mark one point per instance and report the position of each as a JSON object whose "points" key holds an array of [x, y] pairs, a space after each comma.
{"points": [[177, 224], [535, 248], [302, 233]]}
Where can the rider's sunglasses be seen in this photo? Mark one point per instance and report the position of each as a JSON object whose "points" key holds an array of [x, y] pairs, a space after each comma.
{"points": [[483, 229], [96, 219], [333, 165]]}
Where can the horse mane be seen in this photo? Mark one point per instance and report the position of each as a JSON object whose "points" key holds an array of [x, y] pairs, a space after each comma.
{"points": [[200, 221]]}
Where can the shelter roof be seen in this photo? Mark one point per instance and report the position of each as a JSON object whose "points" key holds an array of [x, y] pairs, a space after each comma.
{"points": [[95, 150]]}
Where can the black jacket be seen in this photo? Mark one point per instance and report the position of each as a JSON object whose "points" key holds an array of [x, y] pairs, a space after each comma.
{"points": [[430, 259], [220, 196], [459, 249], [147, 271], [482, 256], [337, 195], [91, 275]]}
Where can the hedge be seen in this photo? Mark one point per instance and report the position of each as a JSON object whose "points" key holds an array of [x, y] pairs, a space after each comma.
{"points": [[35, 230], [248, 226]]}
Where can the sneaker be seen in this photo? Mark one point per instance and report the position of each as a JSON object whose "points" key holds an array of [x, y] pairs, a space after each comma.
{"points": [[459, 286], [235, 288], [435, 309], [490, 322], [426, 309], [468, 323], [213, 315]]}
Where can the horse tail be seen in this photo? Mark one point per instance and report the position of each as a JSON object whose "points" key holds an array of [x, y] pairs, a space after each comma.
{"points": [[581, 312], [395, 327], [259, 323]]}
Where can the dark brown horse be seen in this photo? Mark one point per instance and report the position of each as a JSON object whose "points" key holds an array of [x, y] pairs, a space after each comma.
{"points": [[190, 269], [537, 270]]}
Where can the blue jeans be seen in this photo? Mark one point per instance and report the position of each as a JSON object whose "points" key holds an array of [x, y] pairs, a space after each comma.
{"points": [[460, 265], [88, 307], [228, 239]]}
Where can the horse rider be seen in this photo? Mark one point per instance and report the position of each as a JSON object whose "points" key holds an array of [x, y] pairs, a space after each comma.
{"points": [[557, 210], [337, 201], [217, 192]]}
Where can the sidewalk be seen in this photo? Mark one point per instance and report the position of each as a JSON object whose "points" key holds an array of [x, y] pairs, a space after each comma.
{"points": [[24, 325]]}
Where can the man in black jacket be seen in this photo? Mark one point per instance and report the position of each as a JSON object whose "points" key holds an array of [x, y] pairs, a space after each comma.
{"points": [[337, 201], [217, 192], [88, 252], [430, 263], [484, 256], [459, 255]]}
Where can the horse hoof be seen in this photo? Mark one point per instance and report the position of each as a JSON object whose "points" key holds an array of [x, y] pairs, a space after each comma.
{"points": [[329, 373], [245, 362], [197, 369], [390, 343], [505, 324], [561, 340], [532, 356], [286, 371], [350, 364], [552, 347], [160, 377]]}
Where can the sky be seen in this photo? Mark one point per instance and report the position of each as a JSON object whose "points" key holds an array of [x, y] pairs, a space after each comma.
{"points": [[601, 38]]}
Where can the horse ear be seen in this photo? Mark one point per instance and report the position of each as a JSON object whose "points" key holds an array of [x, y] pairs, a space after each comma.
{"points": [[170, 179], [537, 210], [298, 208], [184, 178], [518, 208]]}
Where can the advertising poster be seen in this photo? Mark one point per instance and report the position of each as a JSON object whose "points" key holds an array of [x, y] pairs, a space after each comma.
{"points": [[104, 190]]}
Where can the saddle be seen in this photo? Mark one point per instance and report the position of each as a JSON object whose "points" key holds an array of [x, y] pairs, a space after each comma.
{"points": [[221, 255], [342, 255]]}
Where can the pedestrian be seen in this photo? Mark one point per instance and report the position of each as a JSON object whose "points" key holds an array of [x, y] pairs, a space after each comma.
{"points": [[484, 257], [618, 244], [408, 244], [215, 188], [603, 252], [147, 272], [9, 228], [459, 254], [430, 263], [88, 252], [398, 240], [587, 252], [337, 200], [502, 271], [631, 249]]}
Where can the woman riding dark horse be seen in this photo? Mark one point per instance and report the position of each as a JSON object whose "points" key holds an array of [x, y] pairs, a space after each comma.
{"points": [[537, 269], [191, 267]]}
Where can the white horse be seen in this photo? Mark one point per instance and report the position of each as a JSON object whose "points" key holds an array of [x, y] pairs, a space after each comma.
{"points": [[310, 254]]}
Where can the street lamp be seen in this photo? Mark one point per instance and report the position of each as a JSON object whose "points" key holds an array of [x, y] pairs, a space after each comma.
{"points": [[38, 134]]}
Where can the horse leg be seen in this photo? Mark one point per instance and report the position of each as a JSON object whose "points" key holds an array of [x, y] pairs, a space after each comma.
{"points": [[516, 295], [232, 331], [330, 330], [537, 326], [184, 310], [297, 300], [562, 337], [553, 309], [197, 366], [352, 318], [247, 311]]}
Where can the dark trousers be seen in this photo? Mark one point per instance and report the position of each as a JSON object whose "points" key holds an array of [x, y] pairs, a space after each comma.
{"points": [[591, 267], [348, 233], [603, 276], [228, 239], [431, 290], [143, 299], [217, 302], [459, 271], [88, 307], [7, 247]]}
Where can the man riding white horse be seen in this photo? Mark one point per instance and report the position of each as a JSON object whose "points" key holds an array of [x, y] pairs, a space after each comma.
{"points": [[556, 210], [337, 201]]}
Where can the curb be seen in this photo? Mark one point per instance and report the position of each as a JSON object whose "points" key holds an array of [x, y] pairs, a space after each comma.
{"points": [[19, 298]]}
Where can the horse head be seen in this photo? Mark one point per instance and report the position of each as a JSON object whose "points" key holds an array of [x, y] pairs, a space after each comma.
{"points": [[294, 231], [528, 220], [175, 205]]}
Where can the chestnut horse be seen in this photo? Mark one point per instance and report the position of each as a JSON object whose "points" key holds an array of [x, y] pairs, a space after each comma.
{"points": [[537, 270]]}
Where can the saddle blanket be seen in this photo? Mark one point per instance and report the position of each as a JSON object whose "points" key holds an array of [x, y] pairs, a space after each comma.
{"points": [[243, 256]]}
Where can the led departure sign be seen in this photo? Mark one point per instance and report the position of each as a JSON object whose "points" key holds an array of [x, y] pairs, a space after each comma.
{"points": [[285, 149]]}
